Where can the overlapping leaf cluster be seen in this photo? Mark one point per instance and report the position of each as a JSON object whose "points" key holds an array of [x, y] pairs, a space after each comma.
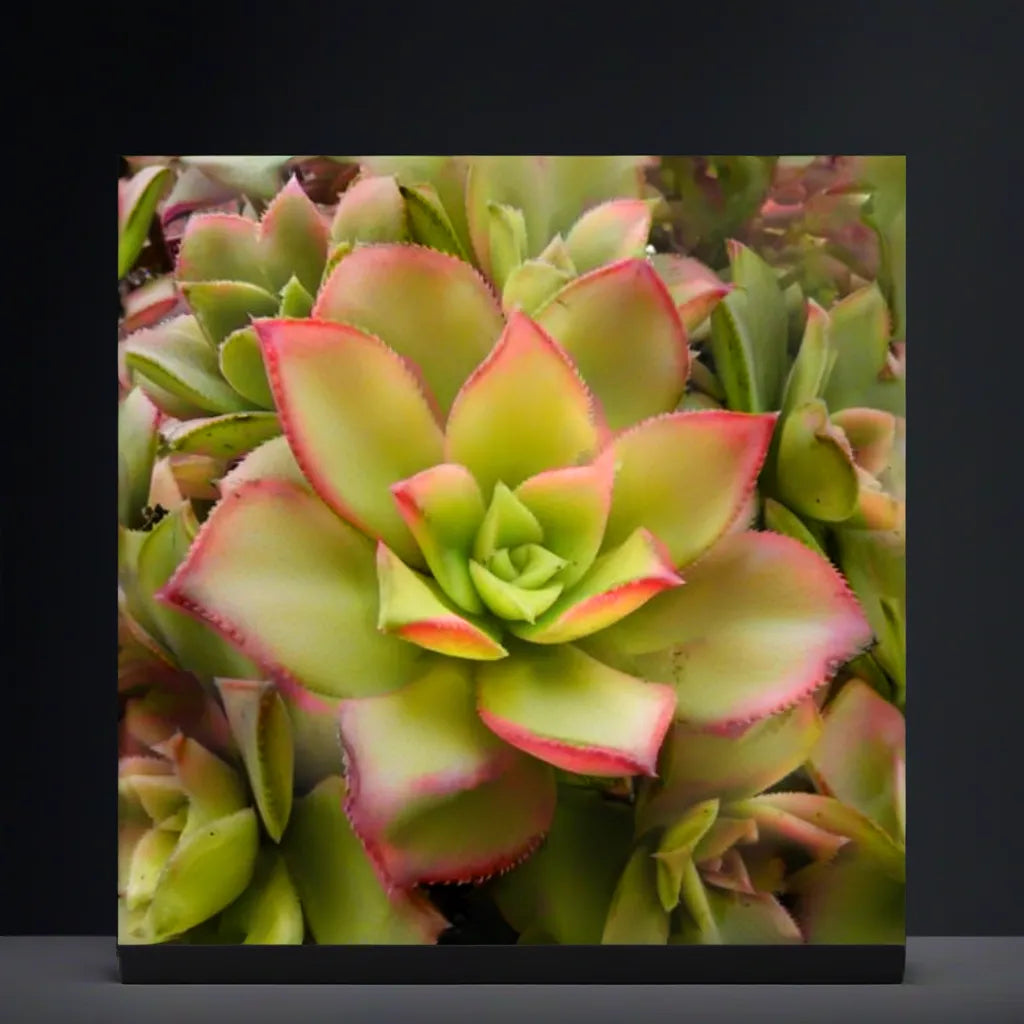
{"points": [[482, 560]]}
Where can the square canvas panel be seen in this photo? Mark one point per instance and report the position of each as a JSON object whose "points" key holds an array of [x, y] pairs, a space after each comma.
{"points": [[511, 552]]}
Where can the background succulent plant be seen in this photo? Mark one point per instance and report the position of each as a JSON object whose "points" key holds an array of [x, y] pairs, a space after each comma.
{"points": [[529, 548]]}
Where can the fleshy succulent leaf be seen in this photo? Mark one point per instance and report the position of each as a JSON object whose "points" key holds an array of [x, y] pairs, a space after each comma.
{"points": [[443, 509], [137, 440], [614, 230], [780, 519], [177, 357], [428, 220], [451, 759], [524, 410], [695, 288], [272, 460], [571, 507], [507, 241], [849, 900], [137, 201], [370, 210], [241, 364], [816, 475], [259, 723], [268, 912], [686, 476], [760, 623], [222, 307], [562, 892], [293, 239], [208, 870], [220, 247], [564, 707], [223, 437], [296, 300], [415, 608], [636, 916], [696, 765], [871, 433], [621, 328], [258, 177], [860, 754], [530, 285], [860, 335], [356, 419], [431, 308], [618, 582], [293, 586]]}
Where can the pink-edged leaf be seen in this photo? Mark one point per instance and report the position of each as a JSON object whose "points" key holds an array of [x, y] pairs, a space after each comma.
{"points": [[293, 239], [150, 303], [571, 505], [414, 607], [220, 247], [877, 510], [695, 288], [213, 787], [343, 898], [696, 765], [861, 752], [355, 417], [431, 308], [294, 587], [370, 210], [760, 623], [615, 230], [619, 582], [193, 191], [621, 328], [414, 812], [524, 410], [785, 813], [562, 706], [686, 477], [443, 508], [271, 460]]}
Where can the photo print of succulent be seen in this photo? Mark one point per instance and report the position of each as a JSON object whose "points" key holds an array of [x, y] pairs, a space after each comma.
{"points": [[511, 549]]}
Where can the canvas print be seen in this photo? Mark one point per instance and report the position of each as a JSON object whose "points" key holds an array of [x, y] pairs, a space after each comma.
{"points": [[511, 549]]}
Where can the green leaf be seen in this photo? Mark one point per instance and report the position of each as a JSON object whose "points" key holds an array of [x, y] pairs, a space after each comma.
{"points": [[428, 220], [636, 916], [760, 623], [531, 285], [498, 435], [259, 723], [356, 418], [508, 246], [268, 912], [781, 520], [177, 357], [686, 477], [208, 870], [137, 439], [431, 308], [293, 239], [370, 210], [816, 474], [343, 898], [296, 301], [622, 330], [566, 708], [224, 437], [258, 177], [137, 199], [562, 892], [698, 766], [241, 363], [415, 608], [222, 307], [295, 587]]}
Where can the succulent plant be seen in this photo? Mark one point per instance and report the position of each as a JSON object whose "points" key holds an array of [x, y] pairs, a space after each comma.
{"points": [[530, 546]]}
